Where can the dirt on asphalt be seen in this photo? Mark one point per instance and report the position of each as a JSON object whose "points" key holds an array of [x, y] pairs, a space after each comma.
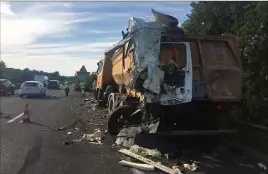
{"points": [[208, 153]]}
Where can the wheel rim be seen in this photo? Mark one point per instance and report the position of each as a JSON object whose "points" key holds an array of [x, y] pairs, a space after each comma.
{"points": [[118, 118], [111, 104]]}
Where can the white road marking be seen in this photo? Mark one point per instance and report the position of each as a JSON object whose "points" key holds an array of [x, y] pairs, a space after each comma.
{"points": [[15, 118]]}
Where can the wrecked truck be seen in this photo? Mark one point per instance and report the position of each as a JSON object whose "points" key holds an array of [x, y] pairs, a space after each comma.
{"points": [[156, 72]]}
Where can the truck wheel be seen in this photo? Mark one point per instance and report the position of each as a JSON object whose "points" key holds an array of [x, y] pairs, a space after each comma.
{"points": [[118, 118], [96, 94], [99, 101], [110, 104]]}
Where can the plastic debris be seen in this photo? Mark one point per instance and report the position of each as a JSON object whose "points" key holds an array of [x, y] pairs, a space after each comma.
{"points": [[262, 166], [95, 137], [190, 167], [166, 155], [145, 151]]}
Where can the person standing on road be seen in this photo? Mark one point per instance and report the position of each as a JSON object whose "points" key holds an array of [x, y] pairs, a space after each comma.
{"points": [[83, 87], [66, 87], [94, 85]]}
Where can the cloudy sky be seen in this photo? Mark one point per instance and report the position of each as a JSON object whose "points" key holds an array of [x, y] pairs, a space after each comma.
{"points": [[63, 36]]}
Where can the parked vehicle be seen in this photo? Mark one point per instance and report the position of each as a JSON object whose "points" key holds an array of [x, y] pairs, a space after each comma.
{"points": [[81, 75], [156, 72], [43, 79], [32, 88], [6, 87], [54, 84]]}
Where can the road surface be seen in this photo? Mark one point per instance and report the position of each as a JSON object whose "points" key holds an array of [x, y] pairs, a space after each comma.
{"points": [[36, 149], [32, 149]]}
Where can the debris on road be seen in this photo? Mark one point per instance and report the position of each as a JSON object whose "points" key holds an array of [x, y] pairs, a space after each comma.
{"points": [[191, 167], [145, 151], [146, 167], [148, 161], [126, 136], [69, 126], [94, 138], [262, 166], [69, 133]]}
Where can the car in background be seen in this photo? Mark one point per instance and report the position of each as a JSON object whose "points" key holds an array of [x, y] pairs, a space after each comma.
{"points": [[6, 87], [32, 88], [54, 84]]}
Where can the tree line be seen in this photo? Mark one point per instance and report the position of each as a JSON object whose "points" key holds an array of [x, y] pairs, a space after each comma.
{"points": [[248, 22], [20, 76]]}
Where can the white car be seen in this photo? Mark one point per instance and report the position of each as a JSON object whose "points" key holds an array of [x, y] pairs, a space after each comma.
{"points": [[32, 88]]}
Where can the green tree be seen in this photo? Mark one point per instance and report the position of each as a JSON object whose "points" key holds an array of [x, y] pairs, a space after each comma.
{"points": [[2, 68]]}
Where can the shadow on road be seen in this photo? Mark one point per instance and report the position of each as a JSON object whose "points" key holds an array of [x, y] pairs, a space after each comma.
{"points": [[39, 124]]}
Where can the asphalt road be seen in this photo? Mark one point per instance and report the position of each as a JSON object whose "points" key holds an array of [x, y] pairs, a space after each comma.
{"points": [[34, 148]]}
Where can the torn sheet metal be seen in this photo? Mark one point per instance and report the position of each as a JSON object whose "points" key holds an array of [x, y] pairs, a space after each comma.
{"points": [[126, 136], [146, 36]]}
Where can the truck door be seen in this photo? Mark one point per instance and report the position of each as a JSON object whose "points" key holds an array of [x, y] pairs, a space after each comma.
{"points": [[180, 53]]}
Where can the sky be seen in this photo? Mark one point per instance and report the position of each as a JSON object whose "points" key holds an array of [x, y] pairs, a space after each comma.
{"points": [[63, 36]]}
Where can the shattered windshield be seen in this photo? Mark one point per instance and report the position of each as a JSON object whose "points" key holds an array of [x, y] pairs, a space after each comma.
{"points": [[173, 52]]}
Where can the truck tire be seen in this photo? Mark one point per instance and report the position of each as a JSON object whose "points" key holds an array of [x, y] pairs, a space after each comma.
{"points": [[99, 97], [96, 94], [118, 117], [111, 103]]}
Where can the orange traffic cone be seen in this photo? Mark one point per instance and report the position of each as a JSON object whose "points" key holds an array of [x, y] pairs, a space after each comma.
{"points": [[26, 116]]}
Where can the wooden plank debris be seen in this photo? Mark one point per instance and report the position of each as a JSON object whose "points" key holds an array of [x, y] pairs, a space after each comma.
{"points": [[148, 161], [147, 167]]}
